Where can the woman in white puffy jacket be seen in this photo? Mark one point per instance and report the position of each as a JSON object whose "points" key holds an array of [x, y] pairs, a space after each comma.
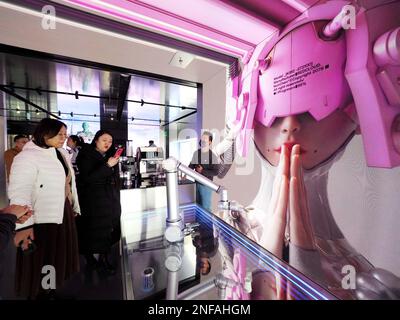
{"points": [[42, 178]]}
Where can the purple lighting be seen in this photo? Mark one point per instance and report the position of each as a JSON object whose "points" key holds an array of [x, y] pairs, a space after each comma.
{"points": [[171, 26]]}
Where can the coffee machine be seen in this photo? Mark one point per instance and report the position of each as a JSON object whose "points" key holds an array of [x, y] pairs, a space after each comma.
{"points": [[128, 171], [149, 160]]}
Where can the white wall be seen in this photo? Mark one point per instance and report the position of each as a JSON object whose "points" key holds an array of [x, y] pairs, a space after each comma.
{"points": [[241, 188]]}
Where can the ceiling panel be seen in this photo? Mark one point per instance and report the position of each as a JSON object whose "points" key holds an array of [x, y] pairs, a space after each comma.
{"points": [[32, 77], [79, 41]]}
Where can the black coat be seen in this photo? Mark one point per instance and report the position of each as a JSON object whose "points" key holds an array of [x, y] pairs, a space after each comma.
{"points": [[99, 198], [7, 228]]}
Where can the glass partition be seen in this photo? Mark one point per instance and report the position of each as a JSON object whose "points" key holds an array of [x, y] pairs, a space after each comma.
{"points": [[214, 261]]}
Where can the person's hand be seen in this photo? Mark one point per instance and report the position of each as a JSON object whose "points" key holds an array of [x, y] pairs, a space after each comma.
{"points": [[232, 130], [22, 213], [23, 238], [112, 161], [274, 224], [25, 217], [244, 221], [301, 233], [287, 195], [300, 229]]}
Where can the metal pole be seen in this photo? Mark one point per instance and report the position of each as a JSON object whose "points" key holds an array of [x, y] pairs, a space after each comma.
{"points": [[11, 93], [180, 118], [77, 95], [172, 197], [174, 230], [198, 177], [172, 285], [173, 263]]}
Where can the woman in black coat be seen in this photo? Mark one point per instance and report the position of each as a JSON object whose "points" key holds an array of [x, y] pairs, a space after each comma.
{"points": [[99, 198]]}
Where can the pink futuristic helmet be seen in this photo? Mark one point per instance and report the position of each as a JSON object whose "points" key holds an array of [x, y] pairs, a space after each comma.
{"points": [[303, 70], [309, 79]]}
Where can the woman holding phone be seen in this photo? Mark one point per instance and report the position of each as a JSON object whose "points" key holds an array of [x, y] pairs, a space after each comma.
{"points": [[98, 190]]}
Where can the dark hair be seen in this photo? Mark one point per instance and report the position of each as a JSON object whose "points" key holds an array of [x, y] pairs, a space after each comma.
{"points": [[77, 140], [209, 134], [205, 242], [47, 129], [98, 134], [20, 136], [151, 141]]}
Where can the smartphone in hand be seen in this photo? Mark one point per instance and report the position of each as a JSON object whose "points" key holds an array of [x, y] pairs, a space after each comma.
{"points": [[118, 152]]}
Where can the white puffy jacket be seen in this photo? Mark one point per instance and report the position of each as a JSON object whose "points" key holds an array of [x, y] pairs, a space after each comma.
{"points": [[37, 179]]}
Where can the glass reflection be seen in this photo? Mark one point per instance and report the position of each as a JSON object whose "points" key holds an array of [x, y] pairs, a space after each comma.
{"points": [[215, 262]]}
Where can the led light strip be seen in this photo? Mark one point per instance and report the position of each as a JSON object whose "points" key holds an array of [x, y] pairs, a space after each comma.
{"points": [[251, 248], [206, 219], [296, 293], [274, 268], [102, 31], [109, 9], [297, 4], [258, 252]]}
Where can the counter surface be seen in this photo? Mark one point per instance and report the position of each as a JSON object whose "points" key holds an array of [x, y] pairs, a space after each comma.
{"points": [[139, 185], [233, 258]]}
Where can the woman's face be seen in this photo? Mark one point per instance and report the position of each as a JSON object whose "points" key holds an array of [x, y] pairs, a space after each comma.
{"points": [[104, 142], [70, 143], [318, 139], [58, 140], [204, 266]]}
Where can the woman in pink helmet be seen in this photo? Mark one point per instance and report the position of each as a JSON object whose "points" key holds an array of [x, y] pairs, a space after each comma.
{"points": [[302, 98]]}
